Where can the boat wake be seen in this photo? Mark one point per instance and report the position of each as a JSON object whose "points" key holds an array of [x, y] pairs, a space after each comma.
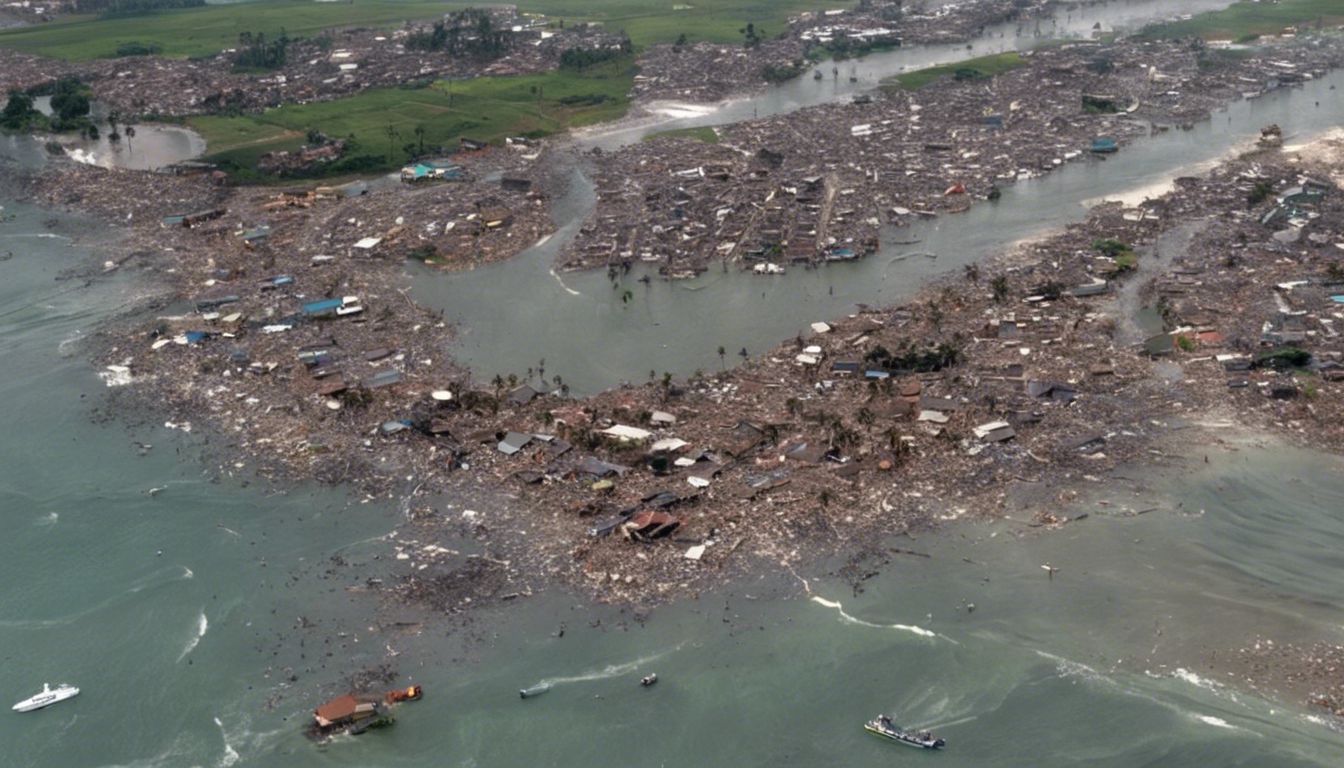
{"points": [[609, 671], [848, 619], [155, 579], [48, 519], [202, 626]]}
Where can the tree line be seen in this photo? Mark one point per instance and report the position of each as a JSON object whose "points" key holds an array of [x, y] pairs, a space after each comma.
{"points": [[110, 8], [465, 33], [255, 51]]}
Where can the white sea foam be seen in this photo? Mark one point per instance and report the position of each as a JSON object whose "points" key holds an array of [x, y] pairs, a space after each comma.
{"points": [[1071, 668], [202, 626], [1195, 680], [231, 755], [48, 519], [568, 290], [922, 632], [1216, 722]]}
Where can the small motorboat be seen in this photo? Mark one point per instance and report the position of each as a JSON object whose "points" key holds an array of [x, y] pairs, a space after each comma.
{"points": [[884, 727], [648, 679], [413, 693], [536, 690], [47, 697]]}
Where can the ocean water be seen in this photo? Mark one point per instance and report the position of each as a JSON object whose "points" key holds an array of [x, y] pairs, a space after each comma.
{"points": [[184, 612]]}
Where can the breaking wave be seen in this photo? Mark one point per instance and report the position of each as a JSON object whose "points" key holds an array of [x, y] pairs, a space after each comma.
{"points": [[1216, 721], [1195, 680], [231, 755], [202, 626], [912, 629], [1075, 669]]}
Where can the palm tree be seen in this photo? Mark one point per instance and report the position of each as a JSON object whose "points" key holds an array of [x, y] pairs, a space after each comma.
{"points": [[392, 135]]}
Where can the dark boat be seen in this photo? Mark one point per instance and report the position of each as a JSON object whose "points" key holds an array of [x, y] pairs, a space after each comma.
{"points": [[884, 727], [648, 679]]}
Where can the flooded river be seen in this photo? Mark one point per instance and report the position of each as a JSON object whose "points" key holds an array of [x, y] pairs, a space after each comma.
{"points": [[203, 617], [153, 146], [514, 313]]}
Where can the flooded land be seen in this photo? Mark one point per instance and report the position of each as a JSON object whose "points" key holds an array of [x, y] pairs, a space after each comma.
{"points": [[974, 363]]}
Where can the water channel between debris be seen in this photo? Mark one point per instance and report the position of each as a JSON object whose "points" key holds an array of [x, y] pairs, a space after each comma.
{"points": [[514, 313]]}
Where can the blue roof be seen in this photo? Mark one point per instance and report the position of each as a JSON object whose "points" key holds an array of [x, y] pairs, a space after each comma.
{"points": [[317, 307]]}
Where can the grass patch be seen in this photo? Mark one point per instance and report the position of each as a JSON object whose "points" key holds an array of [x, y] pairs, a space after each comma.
{"points": [[649, 22], [1247, 20], [207, 30], [705, 133], [484, 109], [979, 68]]}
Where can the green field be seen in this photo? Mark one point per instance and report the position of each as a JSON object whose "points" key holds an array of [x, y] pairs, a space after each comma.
{"points": [[484, 109], [706, 134], [208, 30], [1247, 18], [985, 66]]}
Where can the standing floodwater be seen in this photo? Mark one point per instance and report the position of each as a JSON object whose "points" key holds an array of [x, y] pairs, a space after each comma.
{"points": [[516, 312]]}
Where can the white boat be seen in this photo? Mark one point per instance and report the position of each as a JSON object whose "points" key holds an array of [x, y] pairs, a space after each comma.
{"points": [[47, 697]]}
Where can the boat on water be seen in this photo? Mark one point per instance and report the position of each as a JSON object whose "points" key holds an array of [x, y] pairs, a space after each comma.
{"points": [[536, 690], [47, 697], [884, 727]]}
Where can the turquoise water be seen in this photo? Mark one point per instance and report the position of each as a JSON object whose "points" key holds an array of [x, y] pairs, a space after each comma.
{"points": [[1103, 665]]}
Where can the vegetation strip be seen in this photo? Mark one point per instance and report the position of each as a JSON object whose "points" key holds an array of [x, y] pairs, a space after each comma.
{"points": [[205, 31]]}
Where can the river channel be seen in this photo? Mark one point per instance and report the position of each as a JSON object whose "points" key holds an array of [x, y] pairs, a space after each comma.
{"points": [[182, 602], [514, 313]]}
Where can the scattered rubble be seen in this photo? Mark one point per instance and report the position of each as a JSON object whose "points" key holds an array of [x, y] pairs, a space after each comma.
{"points": [[818, 184], [337, 63]]}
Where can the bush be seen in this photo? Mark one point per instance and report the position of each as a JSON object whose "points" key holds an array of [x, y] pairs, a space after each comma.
{"points": [[1109, 247], [1283, 358], [584, 100], [134, 48], [779, 73], [1259, 193]]}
